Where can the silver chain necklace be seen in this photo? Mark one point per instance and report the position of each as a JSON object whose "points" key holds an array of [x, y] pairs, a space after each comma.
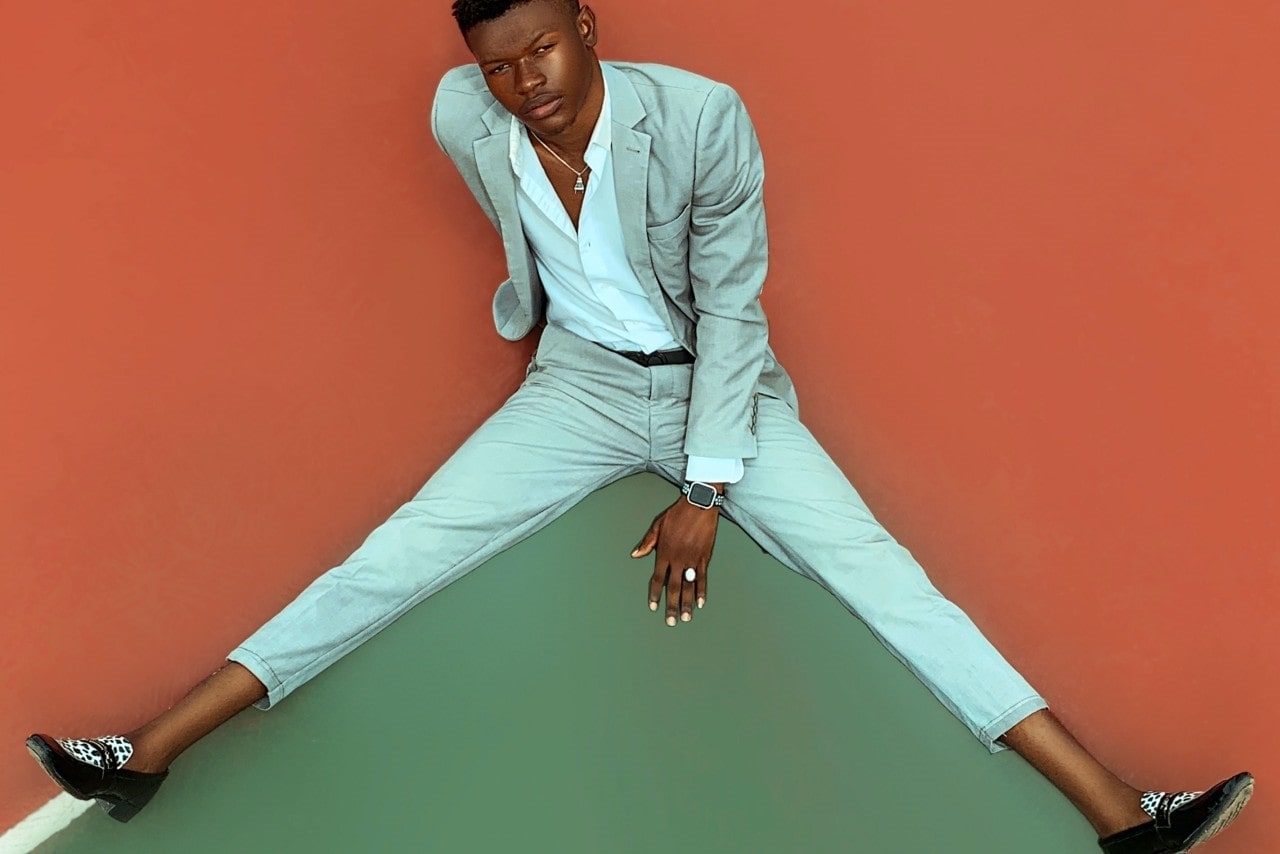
{"points": [[578, 187]]}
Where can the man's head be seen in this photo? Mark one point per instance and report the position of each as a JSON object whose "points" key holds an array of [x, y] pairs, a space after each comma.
{"points": [[537, 56], [468, 13]]}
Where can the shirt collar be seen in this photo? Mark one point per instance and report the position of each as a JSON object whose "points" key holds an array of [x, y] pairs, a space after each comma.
{"points": [[597, 149]]}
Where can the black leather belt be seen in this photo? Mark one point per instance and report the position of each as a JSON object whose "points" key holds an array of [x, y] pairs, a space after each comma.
{"points": [[661, 357]]}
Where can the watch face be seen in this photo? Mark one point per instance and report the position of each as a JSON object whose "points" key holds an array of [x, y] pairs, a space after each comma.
{"points": [[702, 495]]}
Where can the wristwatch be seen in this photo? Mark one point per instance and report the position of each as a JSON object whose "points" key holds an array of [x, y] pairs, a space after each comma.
{"points": [[702, 495]]}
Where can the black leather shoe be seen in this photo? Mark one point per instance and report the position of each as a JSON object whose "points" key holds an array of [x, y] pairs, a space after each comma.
{"points": [[119, 791], [1178, 829]]}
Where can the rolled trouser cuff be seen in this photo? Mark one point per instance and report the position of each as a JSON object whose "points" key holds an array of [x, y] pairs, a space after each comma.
{"points": [[262, 671], [1008, 721]]}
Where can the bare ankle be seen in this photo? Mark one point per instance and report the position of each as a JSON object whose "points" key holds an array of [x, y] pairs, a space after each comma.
{"points": [[1127, 813], [147, 756]]}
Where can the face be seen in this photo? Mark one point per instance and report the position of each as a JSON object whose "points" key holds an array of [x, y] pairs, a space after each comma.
{"points": [[539, 62]]}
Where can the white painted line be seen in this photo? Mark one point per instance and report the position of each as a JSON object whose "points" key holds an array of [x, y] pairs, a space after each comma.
{"points": [[24, 836]]}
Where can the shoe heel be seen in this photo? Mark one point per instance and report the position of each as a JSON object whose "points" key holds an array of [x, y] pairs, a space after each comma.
{"points": [[125, 810], [122, 811], [129, 799]]}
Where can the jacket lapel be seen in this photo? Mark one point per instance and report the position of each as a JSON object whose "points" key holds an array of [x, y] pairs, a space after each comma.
{"points": [[631, 183], [494, 164]]}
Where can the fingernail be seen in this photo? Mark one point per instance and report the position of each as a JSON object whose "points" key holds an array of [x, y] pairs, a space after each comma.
{"points": [[653, 606], [701, 602], [686, 617], [671, 621]]}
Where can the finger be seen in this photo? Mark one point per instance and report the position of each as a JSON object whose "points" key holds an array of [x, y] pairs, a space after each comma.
{"points": [[686, 594], [647, 542], [673, 595], [700, 587], [656, 581]]}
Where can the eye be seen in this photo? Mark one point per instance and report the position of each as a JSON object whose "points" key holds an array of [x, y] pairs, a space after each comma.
{"points": [[497, 69], [544, 48]]}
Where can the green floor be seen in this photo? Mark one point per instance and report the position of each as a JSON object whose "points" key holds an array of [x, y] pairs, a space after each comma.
{"points": [[538, 706]]}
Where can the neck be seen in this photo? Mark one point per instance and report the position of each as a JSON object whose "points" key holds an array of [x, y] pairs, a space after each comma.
{"points": [[572, 141]]}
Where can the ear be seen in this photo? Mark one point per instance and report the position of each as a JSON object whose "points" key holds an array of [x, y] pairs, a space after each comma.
{"points": [[587, 26]]}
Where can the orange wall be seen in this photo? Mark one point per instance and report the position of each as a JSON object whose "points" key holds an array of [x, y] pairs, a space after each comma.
{"points": [[1025, 275]]}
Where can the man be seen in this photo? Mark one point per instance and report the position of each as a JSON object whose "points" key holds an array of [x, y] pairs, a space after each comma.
{"points": [[630, 203]]}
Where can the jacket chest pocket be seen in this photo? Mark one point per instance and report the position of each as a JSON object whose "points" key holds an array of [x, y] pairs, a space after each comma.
{"points": [[669, 255], [679, 225]]}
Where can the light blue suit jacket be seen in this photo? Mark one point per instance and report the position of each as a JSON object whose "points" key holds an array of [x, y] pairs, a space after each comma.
{"points": [[689, 177]]}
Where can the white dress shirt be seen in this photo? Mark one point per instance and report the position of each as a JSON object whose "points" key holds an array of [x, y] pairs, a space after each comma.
{"points": [[591, 289]]}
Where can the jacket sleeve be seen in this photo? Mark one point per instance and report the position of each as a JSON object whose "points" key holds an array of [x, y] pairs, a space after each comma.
{"points": [[728, 259]]}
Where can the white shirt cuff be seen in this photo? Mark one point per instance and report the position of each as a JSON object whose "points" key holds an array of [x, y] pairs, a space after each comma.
{"points": [[714, 469]]}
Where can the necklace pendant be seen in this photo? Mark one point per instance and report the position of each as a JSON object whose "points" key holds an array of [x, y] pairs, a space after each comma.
{"points": [[579, 187]]}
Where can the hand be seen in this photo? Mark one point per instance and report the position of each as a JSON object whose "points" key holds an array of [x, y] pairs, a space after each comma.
{"points": [[683, 536]]}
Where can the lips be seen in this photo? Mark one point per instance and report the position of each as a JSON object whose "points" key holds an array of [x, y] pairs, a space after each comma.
{"points": [[541, 106]]}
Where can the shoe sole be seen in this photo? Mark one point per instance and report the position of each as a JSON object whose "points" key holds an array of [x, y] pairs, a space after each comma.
{"points": [[1238, 792], [42, 754]]}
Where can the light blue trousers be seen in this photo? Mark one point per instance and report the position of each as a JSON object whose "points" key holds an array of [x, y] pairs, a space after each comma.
{"points": [[583, 418]]}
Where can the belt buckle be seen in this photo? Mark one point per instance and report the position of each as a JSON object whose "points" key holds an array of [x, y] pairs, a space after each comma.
{"points": [[648, 360]]}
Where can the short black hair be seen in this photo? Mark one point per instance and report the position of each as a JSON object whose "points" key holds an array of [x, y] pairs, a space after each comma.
{"points": [[468, 13]]}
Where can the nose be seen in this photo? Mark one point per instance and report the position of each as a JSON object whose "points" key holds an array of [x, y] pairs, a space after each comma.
{"points": [[528, 77]]}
